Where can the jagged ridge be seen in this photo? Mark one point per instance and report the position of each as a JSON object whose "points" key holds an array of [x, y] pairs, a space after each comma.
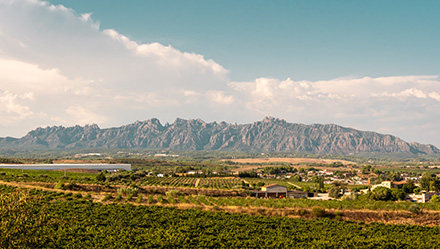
{"points": [[270, 134]]}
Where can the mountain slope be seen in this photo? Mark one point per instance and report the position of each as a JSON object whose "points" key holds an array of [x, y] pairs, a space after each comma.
{"points": [[270, 134]]}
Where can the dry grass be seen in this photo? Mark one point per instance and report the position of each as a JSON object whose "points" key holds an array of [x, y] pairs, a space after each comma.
{"points": [[284, 160], [290, 160]]}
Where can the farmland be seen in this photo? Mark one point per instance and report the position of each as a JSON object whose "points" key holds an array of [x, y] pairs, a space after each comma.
{"points": [[217, 183], [98, 208], [60, 220]]}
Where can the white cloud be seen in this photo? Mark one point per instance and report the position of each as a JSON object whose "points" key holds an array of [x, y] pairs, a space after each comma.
{"points": [[380, 104], [220, 97]]}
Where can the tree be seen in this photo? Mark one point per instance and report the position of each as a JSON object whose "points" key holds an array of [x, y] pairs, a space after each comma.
{"points": [[100, 177], [297, 178], [338, 189], [398, 194], [430, 182], [409, 187], [435, 199], [381, 194]]}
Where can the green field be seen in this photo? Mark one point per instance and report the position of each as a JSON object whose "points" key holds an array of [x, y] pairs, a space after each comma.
{"points": [[29, 220]]}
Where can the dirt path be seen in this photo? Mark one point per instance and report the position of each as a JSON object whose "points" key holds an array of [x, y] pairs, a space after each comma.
{"points": [[294, 185], [197, 182]]}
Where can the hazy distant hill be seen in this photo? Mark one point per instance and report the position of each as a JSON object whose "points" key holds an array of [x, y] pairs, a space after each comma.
{"points": [[270, 134]]}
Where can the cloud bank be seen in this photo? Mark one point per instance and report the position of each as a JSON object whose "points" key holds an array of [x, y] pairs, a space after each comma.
{"points": [[57, 67]]}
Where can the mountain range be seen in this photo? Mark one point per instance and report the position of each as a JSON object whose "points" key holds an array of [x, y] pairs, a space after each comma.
{"points": [[270, 134]]}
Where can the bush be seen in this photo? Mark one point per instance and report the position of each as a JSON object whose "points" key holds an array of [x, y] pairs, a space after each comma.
{"points": [[435, 199], [60, 185], [302, 212], [77, 195], [133, 191], [107, 197], [398, 194], [139, 199], [129, 197], [118, 198], [381, 194], [150, 199], [100, 177], [415, 209], [318, 212]]}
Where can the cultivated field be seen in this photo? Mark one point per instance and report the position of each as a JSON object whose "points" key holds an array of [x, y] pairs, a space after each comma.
{"points": [[290, 160]]}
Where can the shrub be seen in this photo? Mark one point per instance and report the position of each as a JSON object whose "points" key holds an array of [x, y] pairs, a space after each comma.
{"points": [[133, 191], [100, 177], [60, 185], [139, 199], [129, 197], [398, 194], [150, 199], [2, 173], [107, 197], [435, 199], [172, 193], [318, 212], [43, 176], [302, 212], [118, 198], [415, 209], [88, 196], [77, 195], [381, 194]]}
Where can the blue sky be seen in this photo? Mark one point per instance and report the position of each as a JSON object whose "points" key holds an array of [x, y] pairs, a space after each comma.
{"points": [[369, 65], [304, 40]]}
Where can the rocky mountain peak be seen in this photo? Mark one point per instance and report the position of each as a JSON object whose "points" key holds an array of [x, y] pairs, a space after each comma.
{"points": [[270, 134]]}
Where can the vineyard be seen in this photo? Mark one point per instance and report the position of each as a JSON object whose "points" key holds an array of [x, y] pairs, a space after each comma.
{"points": [[217, 183], [43, 219]]}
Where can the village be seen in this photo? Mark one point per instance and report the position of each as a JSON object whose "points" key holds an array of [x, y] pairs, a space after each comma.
{"points": [[345, 184]]}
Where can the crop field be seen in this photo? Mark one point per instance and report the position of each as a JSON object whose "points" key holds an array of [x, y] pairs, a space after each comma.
{"points": [[217, 183], [44, 175], [290, 160], [46, 219]]}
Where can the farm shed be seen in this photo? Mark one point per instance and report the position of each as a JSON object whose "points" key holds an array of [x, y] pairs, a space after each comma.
{"points": [[273, 191]]}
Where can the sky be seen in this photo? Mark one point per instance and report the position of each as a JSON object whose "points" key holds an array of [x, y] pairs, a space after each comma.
{"points": [[368, 65]]}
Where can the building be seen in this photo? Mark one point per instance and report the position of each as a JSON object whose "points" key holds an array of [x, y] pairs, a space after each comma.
{"points": [[278, 191], [273, 191], [389, 184], [67, 166], [424, 197]]}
